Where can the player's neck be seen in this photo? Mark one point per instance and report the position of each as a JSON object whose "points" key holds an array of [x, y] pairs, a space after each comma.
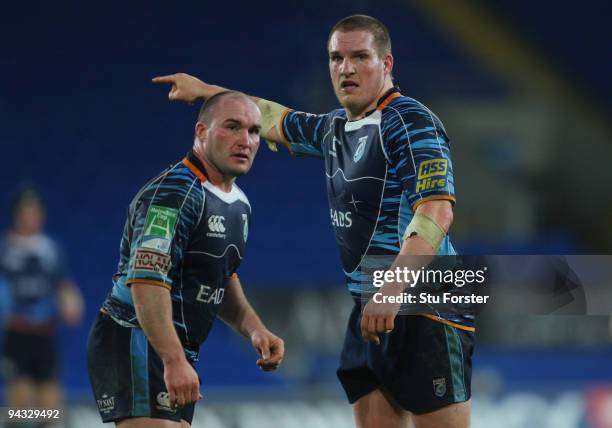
{"points": [[224, 182]]}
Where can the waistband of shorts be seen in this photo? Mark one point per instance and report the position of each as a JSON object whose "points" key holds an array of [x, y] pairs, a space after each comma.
{"points": [[21, 325]]}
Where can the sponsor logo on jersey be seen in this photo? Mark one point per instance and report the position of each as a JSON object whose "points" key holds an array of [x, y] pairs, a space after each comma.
{"points": [[341, 219], [152, 261], [216, 226], [208, 295], [432, 174], [360, 149], [163, 402], [106, 404], [159, 228], [245, 229], [439, 386]]}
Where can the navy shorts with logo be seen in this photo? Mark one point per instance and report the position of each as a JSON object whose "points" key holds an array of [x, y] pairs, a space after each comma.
{"points": [[425, 365], [127, 375]]}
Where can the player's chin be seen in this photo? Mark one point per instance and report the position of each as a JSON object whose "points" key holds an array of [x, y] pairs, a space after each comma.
{"points": [[240, 168], [350, 102]]}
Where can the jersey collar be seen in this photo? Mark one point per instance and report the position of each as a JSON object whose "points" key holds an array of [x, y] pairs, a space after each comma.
{"points": [[386, 98], [194, 164]]}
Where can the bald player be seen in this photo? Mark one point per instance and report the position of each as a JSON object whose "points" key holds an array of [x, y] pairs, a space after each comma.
{"points": [[182, 244]]}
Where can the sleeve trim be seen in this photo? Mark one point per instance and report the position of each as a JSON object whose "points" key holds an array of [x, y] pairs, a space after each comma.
{"points": [[433, 198], [281, 130], [149, 282]]}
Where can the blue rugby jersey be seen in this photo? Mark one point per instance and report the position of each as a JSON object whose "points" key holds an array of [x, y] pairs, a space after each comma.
{"points": [[33, 267], [379, 169], [184, 234]]}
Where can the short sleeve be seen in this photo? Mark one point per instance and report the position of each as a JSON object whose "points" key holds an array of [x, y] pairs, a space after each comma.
{"points": [[304, 132], [419, 152], [163, 221]]}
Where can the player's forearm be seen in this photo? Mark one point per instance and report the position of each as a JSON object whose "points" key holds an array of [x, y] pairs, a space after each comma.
{"points": [[440, 212], [271, 112], [70, 302], [154, 312], [205, 91], [237, 312], [417, 252]]}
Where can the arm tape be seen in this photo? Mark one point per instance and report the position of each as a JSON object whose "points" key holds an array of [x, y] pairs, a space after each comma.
{"points": [[425, 228], [271, 114]]}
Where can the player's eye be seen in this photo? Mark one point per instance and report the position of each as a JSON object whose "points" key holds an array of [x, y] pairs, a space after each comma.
{"points": [[362, 57], [254, 131], [335, 58]]}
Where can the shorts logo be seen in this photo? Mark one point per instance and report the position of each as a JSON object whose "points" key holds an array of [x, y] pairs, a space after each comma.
{"points": [[152, 261], [159, 228], [428, 171], [106, 404], [216, 226], [163, 401], [439, 386], [360, 149]]}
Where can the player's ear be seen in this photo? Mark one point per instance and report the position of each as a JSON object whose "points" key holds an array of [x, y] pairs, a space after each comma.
{"points": [[200, 131], [388, 63]]}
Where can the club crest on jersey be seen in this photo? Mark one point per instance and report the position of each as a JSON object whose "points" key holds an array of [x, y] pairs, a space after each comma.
{"points": [[432, 174], [360, 149]]}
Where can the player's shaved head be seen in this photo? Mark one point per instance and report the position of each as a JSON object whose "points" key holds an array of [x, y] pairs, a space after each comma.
{"points": [[382, 40], [209, 108]]}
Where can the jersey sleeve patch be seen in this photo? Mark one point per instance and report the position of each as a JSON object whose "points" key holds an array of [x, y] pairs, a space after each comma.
{"points": [[159, 228], [432, 175], [152, 261]]}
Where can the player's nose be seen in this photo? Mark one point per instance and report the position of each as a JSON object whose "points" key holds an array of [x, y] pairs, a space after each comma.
{"points": [[347, 66], [244, 138]]}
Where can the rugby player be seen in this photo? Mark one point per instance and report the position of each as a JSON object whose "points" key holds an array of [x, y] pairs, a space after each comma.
{"points": [[182, 244], [38, 288], [391, 192]]}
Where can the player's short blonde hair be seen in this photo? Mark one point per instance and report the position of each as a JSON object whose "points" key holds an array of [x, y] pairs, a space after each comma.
{"points": [[382, 39]]}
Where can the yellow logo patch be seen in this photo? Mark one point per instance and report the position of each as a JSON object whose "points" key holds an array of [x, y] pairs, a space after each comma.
{"points": [[428, 169], [432, 167]]}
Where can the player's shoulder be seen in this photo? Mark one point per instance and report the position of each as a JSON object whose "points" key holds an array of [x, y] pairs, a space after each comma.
{"points": [[338, 113], [174, 185], [47, 243], [409, 112]]}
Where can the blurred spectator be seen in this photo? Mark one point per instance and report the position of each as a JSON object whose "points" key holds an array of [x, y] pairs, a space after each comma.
{"points": [[38, 289]]}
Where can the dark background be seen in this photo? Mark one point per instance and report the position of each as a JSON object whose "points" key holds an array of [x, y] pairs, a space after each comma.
{"points": [[523, 88]]}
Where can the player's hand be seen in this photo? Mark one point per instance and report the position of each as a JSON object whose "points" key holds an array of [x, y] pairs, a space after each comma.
{"points": [[182, 382], [379, 318], [185, 87], [270, 348]]}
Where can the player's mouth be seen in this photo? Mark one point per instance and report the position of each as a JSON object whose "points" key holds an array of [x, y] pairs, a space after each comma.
{"points": [[241, 156], [348, 86]]}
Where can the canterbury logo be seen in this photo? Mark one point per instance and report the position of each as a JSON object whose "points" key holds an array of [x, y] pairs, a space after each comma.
{"points": [[215, 223]]}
